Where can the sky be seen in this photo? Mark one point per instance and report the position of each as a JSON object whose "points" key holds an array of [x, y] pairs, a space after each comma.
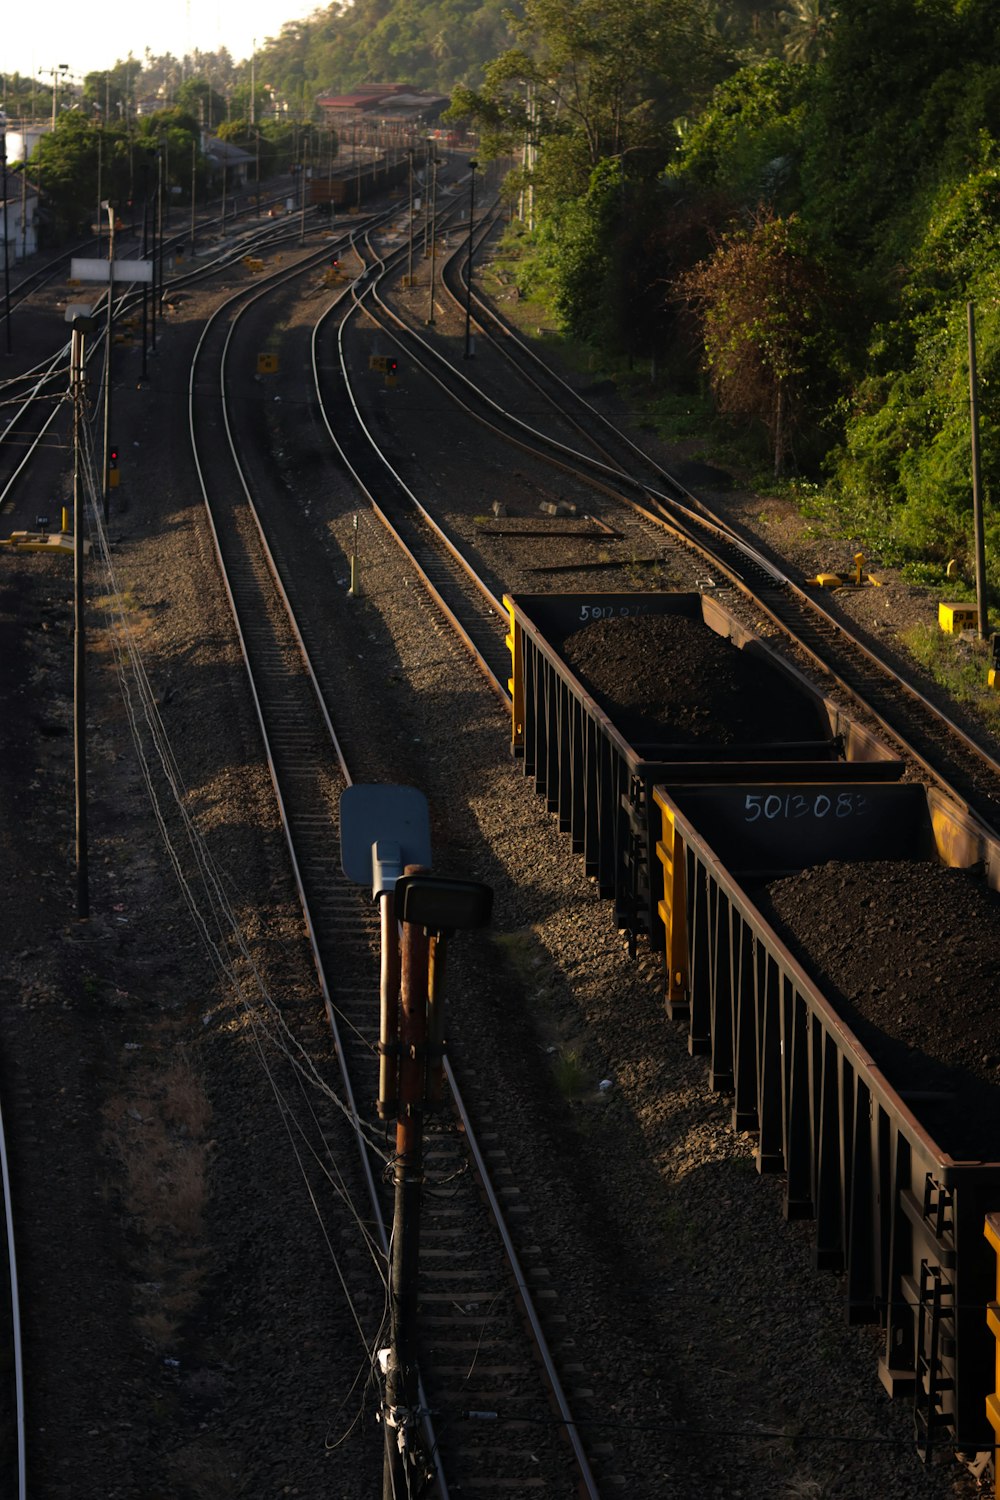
{"points": [[90, 35]]}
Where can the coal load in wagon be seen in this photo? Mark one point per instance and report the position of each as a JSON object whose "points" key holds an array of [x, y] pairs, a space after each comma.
{"points": [[907, 951], [669, 680]]}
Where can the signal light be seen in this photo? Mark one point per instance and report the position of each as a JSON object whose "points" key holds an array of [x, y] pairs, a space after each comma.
{"points": [[390, 366], [113, 458]]}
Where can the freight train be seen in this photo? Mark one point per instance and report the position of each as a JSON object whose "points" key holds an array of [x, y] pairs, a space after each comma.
{"points": [[350, 186], [700, 838]]}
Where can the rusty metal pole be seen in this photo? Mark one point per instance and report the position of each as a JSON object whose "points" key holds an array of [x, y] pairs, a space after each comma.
{"points": [[402, 1385], [388, 1045], [436, 956], [977, 495]]}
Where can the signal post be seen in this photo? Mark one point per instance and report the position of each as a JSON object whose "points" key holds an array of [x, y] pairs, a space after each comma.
{"points": [[381, 827]]}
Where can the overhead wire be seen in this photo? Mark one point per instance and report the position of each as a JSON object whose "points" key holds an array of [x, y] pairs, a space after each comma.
{"points": [[213, 915]]}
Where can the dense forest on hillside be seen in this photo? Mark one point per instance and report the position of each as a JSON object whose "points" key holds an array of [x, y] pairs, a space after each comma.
{"points": [[783, 208], [791, 213]]}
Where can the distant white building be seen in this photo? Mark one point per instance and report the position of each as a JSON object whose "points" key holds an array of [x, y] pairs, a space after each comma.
{"points": [[22, 140], [20, 215]]}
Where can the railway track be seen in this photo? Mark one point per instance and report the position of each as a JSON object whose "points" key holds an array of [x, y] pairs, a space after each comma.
{"points": [[13, 1447], [35, 423], [961, 763], [470, 605], [476, 1362], [296, 731]]}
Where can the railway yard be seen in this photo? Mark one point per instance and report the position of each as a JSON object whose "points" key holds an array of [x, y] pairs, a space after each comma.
{"points": [[200, 1263]]}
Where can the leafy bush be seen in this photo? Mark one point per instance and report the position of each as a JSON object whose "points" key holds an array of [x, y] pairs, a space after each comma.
{"points": [[747, 139]]}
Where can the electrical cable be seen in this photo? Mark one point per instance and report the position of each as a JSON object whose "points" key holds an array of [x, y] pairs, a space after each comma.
{"points": [[226, 945]]}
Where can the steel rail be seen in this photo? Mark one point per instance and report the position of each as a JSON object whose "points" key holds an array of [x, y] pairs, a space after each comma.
{"points": [[325, 986], [495, 604], [15, 1302], [587, 1480], [691, 521], [524, 1296]]}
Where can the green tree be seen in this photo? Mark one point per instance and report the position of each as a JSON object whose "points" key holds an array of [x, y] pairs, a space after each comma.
{"points": [[806, 26], [611, 74], [870, 142], [764, 305], [747, 141], [104, 93], [65, 165], [202, 102], [171, 134]]}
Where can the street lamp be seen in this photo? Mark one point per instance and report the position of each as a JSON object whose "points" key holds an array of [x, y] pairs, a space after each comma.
{"points": [[468, 260], [62, 68]]}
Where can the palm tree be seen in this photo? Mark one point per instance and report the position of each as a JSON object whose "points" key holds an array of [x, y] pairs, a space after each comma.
{"points": [[806, 30]]}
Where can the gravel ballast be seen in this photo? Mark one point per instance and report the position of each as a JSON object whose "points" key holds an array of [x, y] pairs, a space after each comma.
{"points": [[217, 1357]]}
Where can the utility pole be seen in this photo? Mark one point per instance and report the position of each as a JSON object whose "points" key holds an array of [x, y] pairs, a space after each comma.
{"points": [[62, 68], [428, 153], [145, 252], [468, 260], [434, 183], [80, 326], [357, 164], [100, 200], [157, 255], [6, 246], [409, 258], [977, 497], [106, 486]]}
